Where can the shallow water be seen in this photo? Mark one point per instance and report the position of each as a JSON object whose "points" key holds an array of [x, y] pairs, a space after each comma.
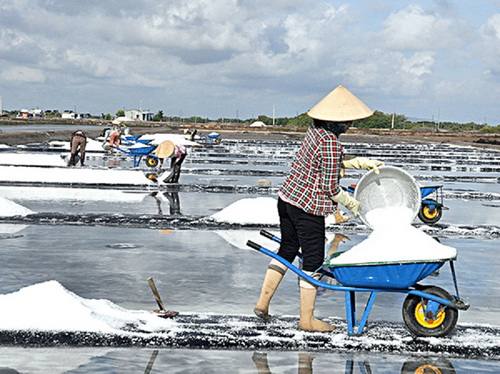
{"points": [[212, 271], [190, 265], [139, 360]]}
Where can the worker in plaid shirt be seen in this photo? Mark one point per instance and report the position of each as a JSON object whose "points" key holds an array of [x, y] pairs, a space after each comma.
{"points": [[310, 193]]}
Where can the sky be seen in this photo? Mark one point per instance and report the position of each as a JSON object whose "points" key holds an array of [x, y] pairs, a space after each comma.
{"points": [[425, 59]]}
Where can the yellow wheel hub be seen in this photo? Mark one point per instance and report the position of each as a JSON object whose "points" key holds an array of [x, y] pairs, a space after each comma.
{"points": [[428, 323], [430, 213], [427, 369]]}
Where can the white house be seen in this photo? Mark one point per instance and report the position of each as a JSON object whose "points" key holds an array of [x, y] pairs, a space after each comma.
{"points": [[69, 114], [31, 113], [139, 115]]}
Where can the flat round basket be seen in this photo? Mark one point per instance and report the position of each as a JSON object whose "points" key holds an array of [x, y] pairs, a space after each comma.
{"points": [[393, 187]]}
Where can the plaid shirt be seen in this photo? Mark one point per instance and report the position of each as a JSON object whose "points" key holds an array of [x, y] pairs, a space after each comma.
{"points": [[315, 173]]}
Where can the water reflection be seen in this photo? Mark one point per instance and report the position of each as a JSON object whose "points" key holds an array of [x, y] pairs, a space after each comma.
{"points": [[173, 201], [411, 366], [430, 366], [151, 362], [11, 231]]}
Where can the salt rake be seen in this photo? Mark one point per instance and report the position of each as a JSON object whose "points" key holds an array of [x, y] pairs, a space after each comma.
{"points": [[161, 312]]}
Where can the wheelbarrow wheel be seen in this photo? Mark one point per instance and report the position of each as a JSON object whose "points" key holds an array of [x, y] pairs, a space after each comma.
{"points": [[152, 177], [423, 323], [430, 213], [152, 161], [430, 366]]}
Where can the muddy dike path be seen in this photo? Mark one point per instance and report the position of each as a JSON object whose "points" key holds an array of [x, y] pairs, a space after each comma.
{"points": [[227, 131]]}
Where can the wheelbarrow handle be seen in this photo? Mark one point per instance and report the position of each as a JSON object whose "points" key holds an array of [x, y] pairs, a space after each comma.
{"points": [[268, 235], [253, 245]]}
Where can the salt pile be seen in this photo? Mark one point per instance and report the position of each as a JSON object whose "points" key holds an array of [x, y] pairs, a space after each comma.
{"points": [[394, 239], [49, 306], [9, 209], [250, 211], [259, 210]]}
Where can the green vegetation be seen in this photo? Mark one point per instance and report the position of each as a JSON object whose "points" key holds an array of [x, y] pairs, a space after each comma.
{"points": [[158, 116], [379, 120], [490, 130]]}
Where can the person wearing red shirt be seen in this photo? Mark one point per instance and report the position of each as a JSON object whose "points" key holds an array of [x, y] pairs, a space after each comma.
{"points": [[309, 194]]}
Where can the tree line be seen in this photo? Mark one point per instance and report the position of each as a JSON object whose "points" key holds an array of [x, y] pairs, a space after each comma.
{"points": [[378, 120]]}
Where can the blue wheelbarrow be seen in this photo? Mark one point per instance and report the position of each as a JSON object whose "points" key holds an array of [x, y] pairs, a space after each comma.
{"points": [[212, 138], [140, 150], [431, 207], [428, 311], [129, 140]]}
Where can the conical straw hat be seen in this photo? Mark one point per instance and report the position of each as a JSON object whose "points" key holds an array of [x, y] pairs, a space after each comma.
{"points": [[165, 149], [340, 105]]}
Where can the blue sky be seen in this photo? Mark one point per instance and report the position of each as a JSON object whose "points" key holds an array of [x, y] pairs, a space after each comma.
{"points": [[240, 58]]}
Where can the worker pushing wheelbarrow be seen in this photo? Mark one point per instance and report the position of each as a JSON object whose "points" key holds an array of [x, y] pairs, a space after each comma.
{"points": [[312, 191]]}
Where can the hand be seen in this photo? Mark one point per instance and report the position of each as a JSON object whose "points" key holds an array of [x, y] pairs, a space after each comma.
{"points": [[348, 201], [363, 163]]}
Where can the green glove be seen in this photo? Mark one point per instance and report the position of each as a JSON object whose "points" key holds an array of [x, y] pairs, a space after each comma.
{"points": [[348, 201], [362, 163]]}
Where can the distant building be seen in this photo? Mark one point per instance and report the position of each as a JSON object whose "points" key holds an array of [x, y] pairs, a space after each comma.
{"points": [[30, 113], [69, 114], [139, 115]]}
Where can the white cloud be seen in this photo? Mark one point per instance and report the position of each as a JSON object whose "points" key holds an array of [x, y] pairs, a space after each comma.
{"points": [[415, 29], [206, 57], [489, 46], [22, 74]]}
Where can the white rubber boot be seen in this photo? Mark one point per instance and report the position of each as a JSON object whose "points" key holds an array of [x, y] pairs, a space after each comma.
{"points": [[307, 301], [274, 275]]}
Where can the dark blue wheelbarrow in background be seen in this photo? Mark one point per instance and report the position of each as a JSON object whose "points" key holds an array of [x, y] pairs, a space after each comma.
{"points": [[428, 311], [431, 207]]}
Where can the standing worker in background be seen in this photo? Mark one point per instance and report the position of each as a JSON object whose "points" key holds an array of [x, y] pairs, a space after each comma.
{"points": [[77, 143], [310, 193]]}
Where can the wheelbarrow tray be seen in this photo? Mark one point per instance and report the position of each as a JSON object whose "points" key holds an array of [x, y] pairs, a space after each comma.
{"points": [[386, 276], [427, 190], [136, 150], [382, 272]]}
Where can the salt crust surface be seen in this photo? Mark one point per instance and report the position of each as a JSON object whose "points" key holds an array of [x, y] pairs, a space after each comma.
{"points": [[394, 239]]}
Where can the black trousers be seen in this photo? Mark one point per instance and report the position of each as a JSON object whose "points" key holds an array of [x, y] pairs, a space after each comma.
{"points": [[301, 230]]}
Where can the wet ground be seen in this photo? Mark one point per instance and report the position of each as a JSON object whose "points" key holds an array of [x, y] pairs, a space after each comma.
{"points": [[204, 270]]}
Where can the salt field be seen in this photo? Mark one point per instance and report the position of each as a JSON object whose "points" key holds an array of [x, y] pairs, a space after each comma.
{"points": [[78, 245]]}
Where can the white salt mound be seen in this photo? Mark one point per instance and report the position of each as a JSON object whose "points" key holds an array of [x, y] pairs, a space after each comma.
{"points": [[9, 208], [58, 309], [259, 210], [394, 239], [252, 210]]}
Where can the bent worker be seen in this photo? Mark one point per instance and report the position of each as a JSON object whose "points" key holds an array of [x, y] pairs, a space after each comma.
{"points": [[114, 137], [113, 134], [77, 143], [177, 153], [310, 193]]}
